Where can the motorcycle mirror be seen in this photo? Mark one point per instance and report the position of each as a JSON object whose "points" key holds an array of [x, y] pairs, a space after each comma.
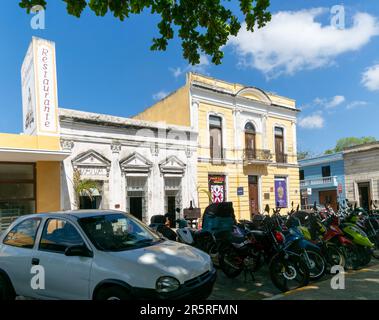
{"points": [[298, 207], [267, 208]]}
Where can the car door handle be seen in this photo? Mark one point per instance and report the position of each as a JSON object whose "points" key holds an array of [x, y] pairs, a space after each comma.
{"points": [[35, 262]]}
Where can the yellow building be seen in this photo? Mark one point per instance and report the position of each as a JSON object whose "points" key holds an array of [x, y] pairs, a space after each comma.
{"points": [[246, 144], [30, 175]]}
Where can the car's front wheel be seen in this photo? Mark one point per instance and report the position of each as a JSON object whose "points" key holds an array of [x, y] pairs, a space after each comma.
{"points": [[113, 293], [6, 290]]}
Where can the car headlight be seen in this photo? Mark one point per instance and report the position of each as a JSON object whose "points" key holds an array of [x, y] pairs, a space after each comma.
{"points": [[167, 284]]}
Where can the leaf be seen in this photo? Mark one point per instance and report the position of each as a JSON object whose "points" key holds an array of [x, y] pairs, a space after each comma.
{"points": [[204, 26]]}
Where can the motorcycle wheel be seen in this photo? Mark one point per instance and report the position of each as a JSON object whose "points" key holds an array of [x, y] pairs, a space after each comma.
{"points": [[231, 263], [365, 256], [214, 254], [288, 273], [334, 255], [353, 257], [375, 240], [317, 265]]}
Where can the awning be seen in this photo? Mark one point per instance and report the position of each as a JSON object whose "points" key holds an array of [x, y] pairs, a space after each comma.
{"points": [[31, 155]]}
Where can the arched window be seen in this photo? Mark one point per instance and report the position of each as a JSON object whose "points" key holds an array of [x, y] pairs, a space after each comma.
{"points": [[250, 141], [249, 127]]}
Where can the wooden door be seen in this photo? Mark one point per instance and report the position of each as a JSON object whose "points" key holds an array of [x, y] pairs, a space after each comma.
{"points": [[253, 195], [328, 197], [364, 195]]}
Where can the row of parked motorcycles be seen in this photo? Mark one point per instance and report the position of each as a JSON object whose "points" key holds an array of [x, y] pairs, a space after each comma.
{"points": [[298, 247]]}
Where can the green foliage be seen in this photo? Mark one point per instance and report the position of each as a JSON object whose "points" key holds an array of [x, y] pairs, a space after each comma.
{"points": [[344, 143], [301, 155], [207, 192], [203, 25], [83, 187]]}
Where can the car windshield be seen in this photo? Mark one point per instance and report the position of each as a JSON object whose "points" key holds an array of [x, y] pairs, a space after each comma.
{"points": [[117, 232]]}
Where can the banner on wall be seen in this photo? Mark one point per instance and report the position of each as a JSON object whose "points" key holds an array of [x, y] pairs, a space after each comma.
{"points": [[281, 193], [217, 188]]}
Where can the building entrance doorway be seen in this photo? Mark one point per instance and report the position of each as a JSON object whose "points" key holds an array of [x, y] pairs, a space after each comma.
{"points": [[364, 195], [253, 195], [87, 202], [328, 197], [136, 207]]}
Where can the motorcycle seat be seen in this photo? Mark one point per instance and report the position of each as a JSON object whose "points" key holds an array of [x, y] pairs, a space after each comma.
{"points": [[258, 233]]}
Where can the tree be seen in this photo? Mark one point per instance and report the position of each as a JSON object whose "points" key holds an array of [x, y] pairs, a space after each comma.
{"points": [[202, 25], [83, 187], [302, 154], [344, 143]]}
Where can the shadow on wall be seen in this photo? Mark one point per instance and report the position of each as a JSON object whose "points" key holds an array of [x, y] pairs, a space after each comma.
{"points": [[65, 200]]}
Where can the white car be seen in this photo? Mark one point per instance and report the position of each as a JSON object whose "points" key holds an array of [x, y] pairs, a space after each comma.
{"points": [[93, 254]]}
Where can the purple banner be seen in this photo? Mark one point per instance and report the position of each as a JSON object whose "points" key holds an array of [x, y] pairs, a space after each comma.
{"points": [[281, 193]]}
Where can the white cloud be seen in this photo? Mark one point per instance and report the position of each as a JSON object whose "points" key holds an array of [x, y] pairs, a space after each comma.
{"points": [[160, 95], [370, 78], [356, 104], [294, 41], [328, 102], [335, 101], [199, 68], [314, 121]]}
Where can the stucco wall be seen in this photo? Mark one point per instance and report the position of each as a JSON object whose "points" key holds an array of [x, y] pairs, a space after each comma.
{"points": [[174, 109], [48, 186], [362, 167]]}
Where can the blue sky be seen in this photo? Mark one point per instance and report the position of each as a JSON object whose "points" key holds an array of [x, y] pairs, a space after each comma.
{"points": [[105, 65]]}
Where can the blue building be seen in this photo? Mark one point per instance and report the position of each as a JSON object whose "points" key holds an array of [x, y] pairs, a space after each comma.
{"points": [[322, 180]]}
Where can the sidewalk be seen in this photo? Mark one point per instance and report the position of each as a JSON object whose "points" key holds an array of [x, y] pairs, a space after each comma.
{"points": [[359, 285]]}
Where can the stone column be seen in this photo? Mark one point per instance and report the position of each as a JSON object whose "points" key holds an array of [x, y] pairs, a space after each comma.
{"points": [[115, 186]]}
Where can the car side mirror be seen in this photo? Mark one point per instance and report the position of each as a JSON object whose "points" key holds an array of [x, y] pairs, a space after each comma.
{"points": [[78, 251]]}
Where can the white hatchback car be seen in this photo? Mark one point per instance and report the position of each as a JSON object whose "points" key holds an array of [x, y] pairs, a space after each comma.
{"points": [[93, 254]]}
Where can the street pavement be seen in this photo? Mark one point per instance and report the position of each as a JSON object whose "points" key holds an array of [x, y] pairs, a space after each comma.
{"points": [[361, 284]]}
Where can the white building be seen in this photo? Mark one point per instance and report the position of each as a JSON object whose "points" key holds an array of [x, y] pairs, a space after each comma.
{"points": [[141, 167]]}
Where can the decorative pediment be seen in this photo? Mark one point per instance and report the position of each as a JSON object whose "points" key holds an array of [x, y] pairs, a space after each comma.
{"points": [[92, 163], [172, 165], [136, 163], [254, 94]]}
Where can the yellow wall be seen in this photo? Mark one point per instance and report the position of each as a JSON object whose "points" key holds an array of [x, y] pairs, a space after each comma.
{"points": [[47, 172], [19, 141], [48, 186], [173, 109]]}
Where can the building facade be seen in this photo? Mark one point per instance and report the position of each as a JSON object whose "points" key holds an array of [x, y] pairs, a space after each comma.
{"points": [[246, 142], [140, 167], [322, 180], [362, 174]]}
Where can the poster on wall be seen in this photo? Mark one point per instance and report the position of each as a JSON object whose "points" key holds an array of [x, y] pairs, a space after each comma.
{"points": [[281, 192], [217, 188]]}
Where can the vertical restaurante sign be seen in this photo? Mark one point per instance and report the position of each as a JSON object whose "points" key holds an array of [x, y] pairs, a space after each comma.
{"points": [[41, 88], [47, 99]]}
